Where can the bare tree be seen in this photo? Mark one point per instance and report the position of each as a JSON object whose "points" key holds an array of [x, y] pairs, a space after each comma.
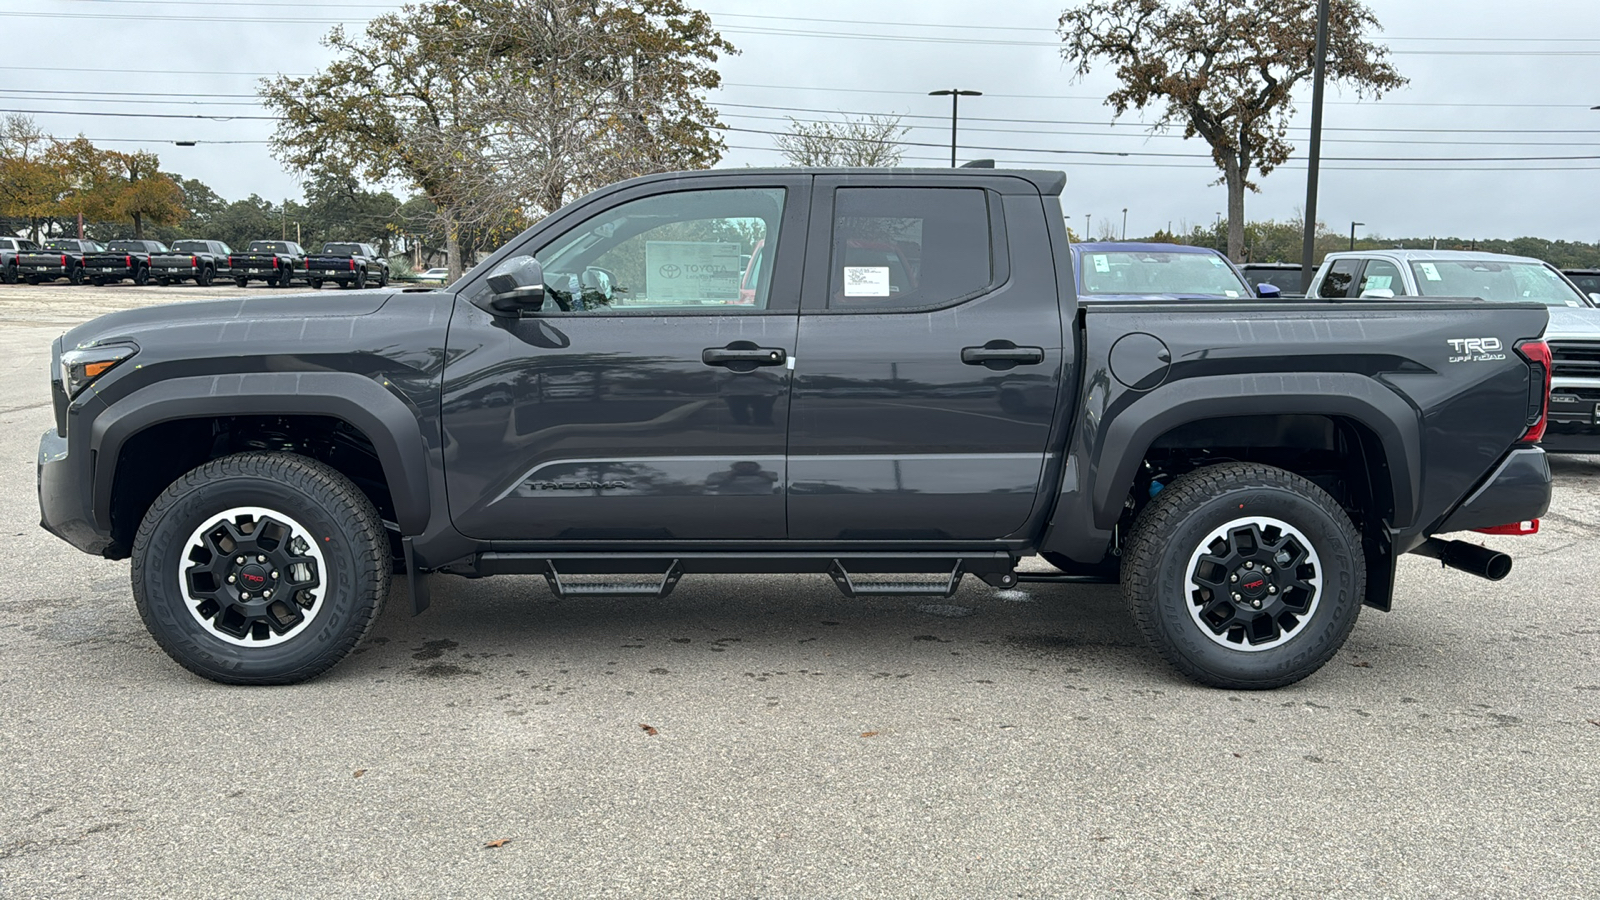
{"points": [[872, 141], [1225, 69]]}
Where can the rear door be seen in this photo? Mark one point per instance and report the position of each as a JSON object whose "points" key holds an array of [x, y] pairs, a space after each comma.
{"points": [[928, 361], [648, 399]]}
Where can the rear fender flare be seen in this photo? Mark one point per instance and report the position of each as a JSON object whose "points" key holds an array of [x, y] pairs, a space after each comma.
{"points": [[1129, 435], [363, 403]]}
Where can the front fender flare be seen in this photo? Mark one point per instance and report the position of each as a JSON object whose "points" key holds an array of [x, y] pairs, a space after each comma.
{"points": [[360, 401]]}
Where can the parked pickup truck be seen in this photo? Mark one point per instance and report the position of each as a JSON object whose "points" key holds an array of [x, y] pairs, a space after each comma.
{"points": [[351, 265], [1573, 334], [121, 259], [59, 258], [10, 249], [201, 261], [599, 398], [274, 262]]}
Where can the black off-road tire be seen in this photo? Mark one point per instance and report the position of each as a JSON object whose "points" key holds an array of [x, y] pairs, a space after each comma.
{"points": [[207, 274], [75, 276], [8, 275], [1165, 552], [162, 281], [335, 518], [141, 276], [361, 280], [240, 280], [383, 278]]}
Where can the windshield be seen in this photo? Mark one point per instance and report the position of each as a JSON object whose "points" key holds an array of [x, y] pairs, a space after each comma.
{"points": [[1159, 272], [1493, 280]]}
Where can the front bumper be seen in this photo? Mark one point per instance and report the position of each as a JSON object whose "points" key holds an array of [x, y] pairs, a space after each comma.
{"points": [[1517, 491], [64, 507]]}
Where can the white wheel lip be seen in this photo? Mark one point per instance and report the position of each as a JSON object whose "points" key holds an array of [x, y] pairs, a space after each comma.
{"points": [[1221, 531], [296, 529]]}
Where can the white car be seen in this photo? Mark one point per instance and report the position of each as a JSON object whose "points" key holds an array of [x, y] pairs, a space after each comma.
{"points": [[1573, 333], [438, 275]]}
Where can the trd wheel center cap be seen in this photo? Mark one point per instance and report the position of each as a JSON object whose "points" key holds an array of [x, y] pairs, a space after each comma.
{"points": [[253, 578], [1252, 583]]}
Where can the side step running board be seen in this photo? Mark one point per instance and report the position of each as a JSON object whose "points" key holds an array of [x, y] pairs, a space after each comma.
{"points": [[852, 588], [648, 590]]}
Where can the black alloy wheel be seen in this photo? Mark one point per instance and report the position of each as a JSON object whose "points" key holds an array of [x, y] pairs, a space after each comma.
{"points": [[1244, 576], [260, 568]]}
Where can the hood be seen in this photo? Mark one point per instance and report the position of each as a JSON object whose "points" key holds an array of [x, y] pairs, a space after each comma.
{"points": [[130, 323], [1573, 322]]}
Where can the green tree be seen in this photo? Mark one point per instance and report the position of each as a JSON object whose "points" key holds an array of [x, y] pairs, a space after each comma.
{"points": [[141, 192], [31, 183], [499, 111], [1224, 70]]}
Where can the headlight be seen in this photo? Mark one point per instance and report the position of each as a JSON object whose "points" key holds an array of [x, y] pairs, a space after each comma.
{"points": [[79, 368]]}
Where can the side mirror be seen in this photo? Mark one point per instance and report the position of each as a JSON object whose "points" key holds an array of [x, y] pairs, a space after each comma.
{"points": [[1378, 293], [1268, 291], [516, 285]]}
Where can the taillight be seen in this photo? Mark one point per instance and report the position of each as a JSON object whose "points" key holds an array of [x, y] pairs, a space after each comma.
{"points": [[194, 261], [352, 265], [308, 264], [63, 261], [231, 263], [1530, 526], [275, 262], [1537, 353], [128, 260]]}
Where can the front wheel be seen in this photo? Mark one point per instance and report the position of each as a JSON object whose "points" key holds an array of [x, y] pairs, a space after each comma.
{"points": [[260, 568], [1244, 576], [383, 278]]}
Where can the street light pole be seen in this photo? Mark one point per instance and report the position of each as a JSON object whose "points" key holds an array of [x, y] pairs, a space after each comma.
{"points": [[1124, 223], [955, 95], [1308, 246], [1353, 233], [1086, 235]]}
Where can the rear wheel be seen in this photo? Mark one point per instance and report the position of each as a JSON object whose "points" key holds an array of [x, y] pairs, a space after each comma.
{"points": [[141, 276], [361, 279], [8, 275], [316, 283], [163, 281], [1244, 576], [207, 274], [383, 278], [240, 280], [33, 279], [260, 568], [75, 276]]}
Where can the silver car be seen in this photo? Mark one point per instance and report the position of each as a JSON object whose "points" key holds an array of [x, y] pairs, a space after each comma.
{"points": [[1573, 333]]}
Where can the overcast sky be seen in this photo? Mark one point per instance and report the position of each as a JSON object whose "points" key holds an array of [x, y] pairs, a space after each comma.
{"points": [[1488, 79]]}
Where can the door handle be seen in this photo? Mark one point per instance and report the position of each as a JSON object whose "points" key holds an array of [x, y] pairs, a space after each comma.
{"points": [[1001, 355], [742, 356]]}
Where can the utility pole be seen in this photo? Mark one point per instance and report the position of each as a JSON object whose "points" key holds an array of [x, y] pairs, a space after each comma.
{"points": [[1308, 247], [283, 218], [1086, 235], [955, 96], [1124, 223]]}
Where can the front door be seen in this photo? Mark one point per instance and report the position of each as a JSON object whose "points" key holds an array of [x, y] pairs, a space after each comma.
{"points": [[929, 361], [648, 398]]}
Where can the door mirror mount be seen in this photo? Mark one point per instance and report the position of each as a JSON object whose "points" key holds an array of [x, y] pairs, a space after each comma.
{"points": [[516, 286]]}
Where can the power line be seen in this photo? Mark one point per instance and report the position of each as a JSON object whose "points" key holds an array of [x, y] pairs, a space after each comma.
{"points": [[131, 115]]}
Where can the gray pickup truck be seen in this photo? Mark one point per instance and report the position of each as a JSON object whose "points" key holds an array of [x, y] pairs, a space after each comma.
{"points": [[907, 392]]}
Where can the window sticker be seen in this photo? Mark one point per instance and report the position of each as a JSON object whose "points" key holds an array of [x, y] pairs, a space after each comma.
{"points": [[692, 271], [1101, 264], [866, 281], [1217, 261], [1575, 303], [1378, 282], [1429, 272], [1232, 294]]}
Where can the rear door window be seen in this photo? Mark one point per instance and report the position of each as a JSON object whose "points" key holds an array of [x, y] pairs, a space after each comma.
{"points": [[1382, 275], [909, 247], [1340, 278]]}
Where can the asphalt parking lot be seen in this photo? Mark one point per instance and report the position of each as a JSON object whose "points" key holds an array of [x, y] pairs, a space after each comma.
{"points": [[756, 737]]}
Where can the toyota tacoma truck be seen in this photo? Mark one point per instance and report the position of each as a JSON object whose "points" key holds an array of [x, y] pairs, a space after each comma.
{"points": [[59, 258], [121, 259], [10, 249], [199, 260], [605, 402], [271, 261], [351, 265]]}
